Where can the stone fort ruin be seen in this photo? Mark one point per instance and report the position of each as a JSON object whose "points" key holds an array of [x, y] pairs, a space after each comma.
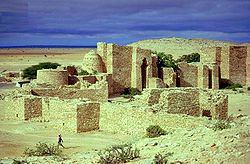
{"points": [[60, 94]]}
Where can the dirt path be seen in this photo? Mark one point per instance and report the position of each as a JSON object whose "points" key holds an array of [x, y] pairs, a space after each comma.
{"points": [[16, 136]]}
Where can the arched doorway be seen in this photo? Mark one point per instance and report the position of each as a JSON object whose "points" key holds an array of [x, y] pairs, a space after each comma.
{"points": [[144, 73]]}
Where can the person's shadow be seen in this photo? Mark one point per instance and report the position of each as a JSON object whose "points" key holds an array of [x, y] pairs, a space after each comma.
{"points": [[71, 147]]}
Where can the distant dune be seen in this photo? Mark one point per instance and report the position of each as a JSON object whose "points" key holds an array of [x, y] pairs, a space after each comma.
{"points": [[179, 46]]}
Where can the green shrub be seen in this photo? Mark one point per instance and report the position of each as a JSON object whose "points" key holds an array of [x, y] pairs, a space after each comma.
{"points": [[155, 131], [248, 88], [193, 57], [83, 72], [233, 86], [220, 125], [131, 91], [31, 72], [43, 149], [118, 154], [165, 60], [162, 159]]}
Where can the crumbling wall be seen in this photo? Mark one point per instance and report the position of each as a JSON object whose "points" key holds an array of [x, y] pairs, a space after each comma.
{"points": [[88, 116], [12, 108], [203, 72], [154, 66], [224, 66], [142, 68], [211, 55], [93, 94], [119, 64], [102, 51], [188, 74], [182, 101], [155, 82], [169, 77], [215, 75], [32, 107], [190, 101], [238, 64], [61, 114], [52, 76], [214, 104]]}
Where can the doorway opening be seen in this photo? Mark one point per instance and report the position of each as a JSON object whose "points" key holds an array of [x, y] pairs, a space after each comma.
{"points": [[144, 73]]}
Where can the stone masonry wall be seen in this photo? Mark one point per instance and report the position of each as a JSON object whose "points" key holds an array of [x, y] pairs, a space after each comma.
{"points": [[238, 64], [185, 101], [191, 101], [224, 66], [119, 64], [215, 103], [88, 116], [155, 82], [203, 76], [211, 55], [12, 108], [61, 114], [188, 74], [93, 94], [52, 76], [169, 77], [32, 107], [140, 55]]}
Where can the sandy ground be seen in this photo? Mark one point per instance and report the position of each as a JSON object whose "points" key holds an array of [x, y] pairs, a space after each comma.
{"points": [[14, 61]]}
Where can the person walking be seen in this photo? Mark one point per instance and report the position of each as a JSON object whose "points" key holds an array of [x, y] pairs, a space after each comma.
{"points": [[60, 141]]}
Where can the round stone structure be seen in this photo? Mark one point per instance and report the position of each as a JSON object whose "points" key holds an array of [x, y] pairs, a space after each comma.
{"points": [[53, 77], [92, 62]]}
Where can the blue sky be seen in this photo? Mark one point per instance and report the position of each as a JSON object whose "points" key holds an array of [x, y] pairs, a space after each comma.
{"points": [[85, 22]]}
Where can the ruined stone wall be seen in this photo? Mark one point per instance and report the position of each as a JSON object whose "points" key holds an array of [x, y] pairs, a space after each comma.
{"points": [[119, 64], [188, 74], [61, 114], [88, 116], [214, 104], [155, 82], [238, 64], [182, 101], [32, 107], [169, 77], [137, 75], [191, 101], [102, 51], [71, 115], [154, 66], [93, 94], [215, 79], [52, 76], [12, 108], [224, 66], [137, 120], [203, 72], [211, 55]]}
